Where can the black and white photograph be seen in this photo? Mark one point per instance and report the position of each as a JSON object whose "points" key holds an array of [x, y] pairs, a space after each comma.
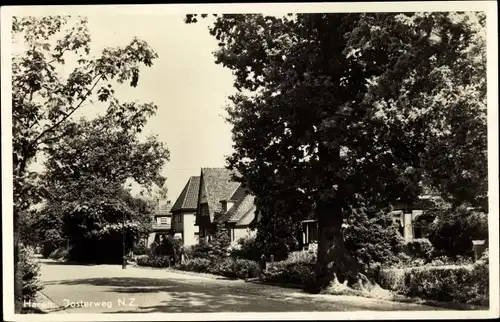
{"points": [[250, 161]]}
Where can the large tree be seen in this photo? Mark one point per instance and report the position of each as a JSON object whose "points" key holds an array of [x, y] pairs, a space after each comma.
{"points": [[46, 91], [86, 177], [346, 111]]}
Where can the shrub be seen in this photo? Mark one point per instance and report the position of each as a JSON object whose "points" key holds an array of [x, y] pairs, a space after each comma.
{"points": [[461, 284], [200, 265], [246, 248], [160, 261], [289, 273], [453, 231], [228, 267], [140, 248], [421, 248], [301, 257], [60, 253], [298, 268], [30, 270], [220, 242], [201, 250], [245, 268], [143, 260], [373, 238], [276, 236]]}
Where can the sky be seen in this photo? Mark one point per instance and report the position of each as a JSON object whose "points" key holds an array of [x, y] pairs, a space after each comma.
{"points": [[186, 84]]}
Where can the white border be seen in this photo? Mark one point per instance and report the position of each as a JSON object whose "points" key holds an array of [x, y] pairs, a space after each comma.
{"points": [[490, 7]]}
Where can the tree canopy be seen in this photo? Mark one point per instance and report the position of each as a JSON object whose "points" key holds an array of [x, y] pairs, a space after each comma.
{"points": [[347, 111], [55, 74], [46, 92]]}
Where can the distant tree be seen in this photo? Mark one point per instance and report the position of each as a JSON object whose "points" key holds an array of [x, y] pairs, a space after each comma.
{"points": [[373, 237], [86, 174], [454, 229], [346, 111], [220, 242], [46, 93]]}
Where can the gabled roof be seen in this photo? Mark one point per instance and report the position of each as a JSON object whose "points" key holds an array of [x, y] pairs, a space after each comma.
{"points": [[243, 208], [188, 199], [219, 186], [163, 210]]}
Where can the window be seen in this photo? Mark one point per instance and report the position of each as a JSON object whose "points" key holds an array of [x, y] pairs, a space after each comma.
{"points": [[179, 218], [164, 220]]}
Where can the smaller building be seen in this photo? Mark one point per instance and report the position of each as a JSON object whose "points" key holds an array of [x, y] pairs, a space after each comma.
{"points": [[237, 214], [184, 212], [162, 220], [223, 201]]}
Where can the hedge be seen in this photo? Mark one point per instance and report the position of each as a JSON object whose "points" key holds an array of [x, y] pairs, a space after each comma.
{"points": [[452, 283], [30, 269], [297, 269], [228, 267]]}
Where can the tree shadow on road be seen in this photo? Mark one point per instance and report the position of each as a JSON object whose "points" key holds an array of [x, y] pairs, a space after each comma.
{"points": [[198, 296]]}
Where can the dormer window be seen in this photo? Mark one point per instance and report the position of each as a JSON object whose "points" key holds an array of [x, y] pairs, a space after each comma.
{"points": [[223, 206], [226, 205]]}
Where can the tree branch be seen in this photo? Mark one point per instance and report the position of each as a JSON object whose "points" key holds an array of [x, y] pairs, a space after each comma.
{"points": [[98, 77]]}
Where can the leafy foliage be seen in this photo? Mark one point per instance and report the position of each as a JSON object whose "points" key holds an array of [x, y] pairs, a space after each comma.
{"points": [[373, 238], [220, 242], [227, 266], [276, 236], [344, 111], [30, 269], [454, 229], [421, 248], [46, 93], [246, 248]]}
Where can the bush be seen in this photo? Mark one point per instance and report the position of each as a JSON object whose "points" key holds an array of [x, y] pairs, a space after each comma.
{"points": [[143, 260], [60, 253], [373, 238], [461, 284], [30, 270], [140, 248], [200, 250], [228, 267], [421, 248], [276, 236], [298, 269], [245, 268], [452, 232], [302, 256], [246, 248], [200, 265], [289, 273]]}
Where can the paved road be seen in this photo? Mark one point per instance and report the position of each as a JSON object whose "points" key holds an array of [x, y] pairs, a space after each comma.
{"points": [[109, 288]]}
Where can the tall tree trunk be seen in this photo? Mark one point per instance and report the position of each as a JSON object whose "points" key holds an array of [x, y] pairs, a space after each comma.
{"points": [[333, 259]]}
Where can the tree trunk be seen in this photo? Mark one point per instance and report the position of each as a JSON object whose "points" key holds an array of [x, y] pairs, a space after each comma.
{"points": [[333, 259]]}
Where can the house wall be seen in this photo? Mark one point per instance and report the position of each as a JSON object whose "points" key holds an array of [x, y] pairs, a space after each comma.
{"points": [[178, 222], [151, 239], [240, 232], [190, 230]]}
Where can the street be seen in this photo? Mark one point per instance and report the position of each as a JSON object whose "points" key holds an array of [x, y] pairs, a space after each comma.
{"points": [[70, 288]]}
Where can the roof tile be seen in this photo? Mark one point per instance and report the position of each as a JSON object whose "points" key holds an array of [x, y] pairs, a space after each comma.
{"points": [[188, 199], [219, 185]]}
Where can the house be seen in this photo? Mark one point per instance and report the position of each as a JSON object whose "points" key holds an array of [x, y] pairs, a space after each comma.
{"points": [[184, 212], [221, 200], [237, 214], [407, 219], [162, 220]]}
